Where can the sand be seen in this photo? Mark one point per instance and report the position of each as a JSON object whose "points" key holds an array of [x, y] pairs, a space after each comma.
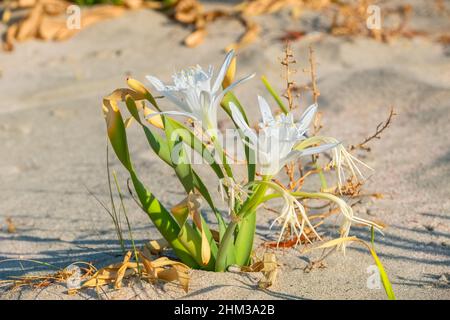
{"points": [[53, 149]]}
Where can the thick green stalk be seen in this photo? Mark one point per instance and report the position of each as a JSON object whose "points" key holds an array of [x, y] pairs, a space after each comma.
{"points": [[225, 245], [247, 226]]}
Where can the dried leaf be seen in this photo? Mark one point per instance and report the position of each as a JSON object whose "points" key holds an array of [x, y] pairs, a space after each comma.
{"points": [[121, 271], [206, 248], [269, 270], [156, 247], [29, 27], [8, 45], [121, 94], [250, 35], [195, 38], [175, 275], [6, 16], [216, 235], [188, 11], [26, 3], [102, 277], [157, 269], [137, 86], [133, 4], [46, 20], [255, 267], [190, 206], [128, 122], [160, 269], [153, 4], [155, 120], [55, 7], [11, 227], [49, 28]]}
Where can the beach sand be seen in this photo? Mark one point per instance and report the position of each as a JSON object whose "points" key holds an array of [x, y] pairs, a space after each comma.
{"points": [[53, 146]]}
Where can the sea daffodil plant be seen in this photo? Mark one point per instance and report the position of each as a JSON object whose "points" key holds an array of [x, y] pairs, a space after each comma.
{"points": [[279, 141]]}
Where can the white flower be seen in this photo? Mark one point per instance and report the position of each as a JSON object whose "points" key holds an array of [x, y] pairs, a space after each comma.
{"points": [[289, 217], [232, 191], [341, 159], [349, 216], [277, 137], [194, 94]]}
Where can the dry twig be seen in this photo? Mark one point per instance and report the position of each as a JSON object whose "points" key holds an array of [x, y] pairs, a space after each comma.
{"points": [[377, 135]]}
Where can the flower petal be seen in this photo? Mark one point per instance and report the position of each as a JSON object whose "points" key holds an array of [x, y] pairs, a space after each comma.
{"points": [[266, 113], [236, 83], [172, 113], [239, 119], [156, 83], [223, 71], [306, 119], [318, 149], [218, 98]]}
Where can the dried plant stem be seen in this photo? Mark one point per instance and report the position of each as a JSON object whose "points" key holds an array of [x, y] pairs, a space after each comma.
{"points": [[312, 70], [130, 232], [114, 216], [287, 61], [377, 135]]}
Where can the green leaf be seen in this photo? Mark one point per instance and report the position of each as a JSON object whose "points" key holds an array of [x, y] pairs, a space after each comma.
{"points": [[225, 249], [384, 277], [200, 186], [274, 95], [132, 108], [161, 218], [190, 139], [178, 156], [158, 144], [189, 179], [249, 153], [247, 227], [225, 103], [116, 132]]}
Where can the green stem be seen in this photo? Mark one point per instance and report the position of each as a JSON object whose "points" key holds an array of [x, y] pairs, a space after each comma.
{"points": [[274, 95], [323, 180], [222, 155], [225, 245], [164, 222], [247, 226], [245, 239], [130, 232]]}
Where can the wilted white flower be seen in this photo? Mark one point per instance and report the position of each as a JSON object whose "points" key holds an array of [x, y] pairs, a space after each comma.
{"points": [[341, 158], [289, 217], [348, 214], [277, 137], [231, 191], [195, 95], [292, 215]]}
